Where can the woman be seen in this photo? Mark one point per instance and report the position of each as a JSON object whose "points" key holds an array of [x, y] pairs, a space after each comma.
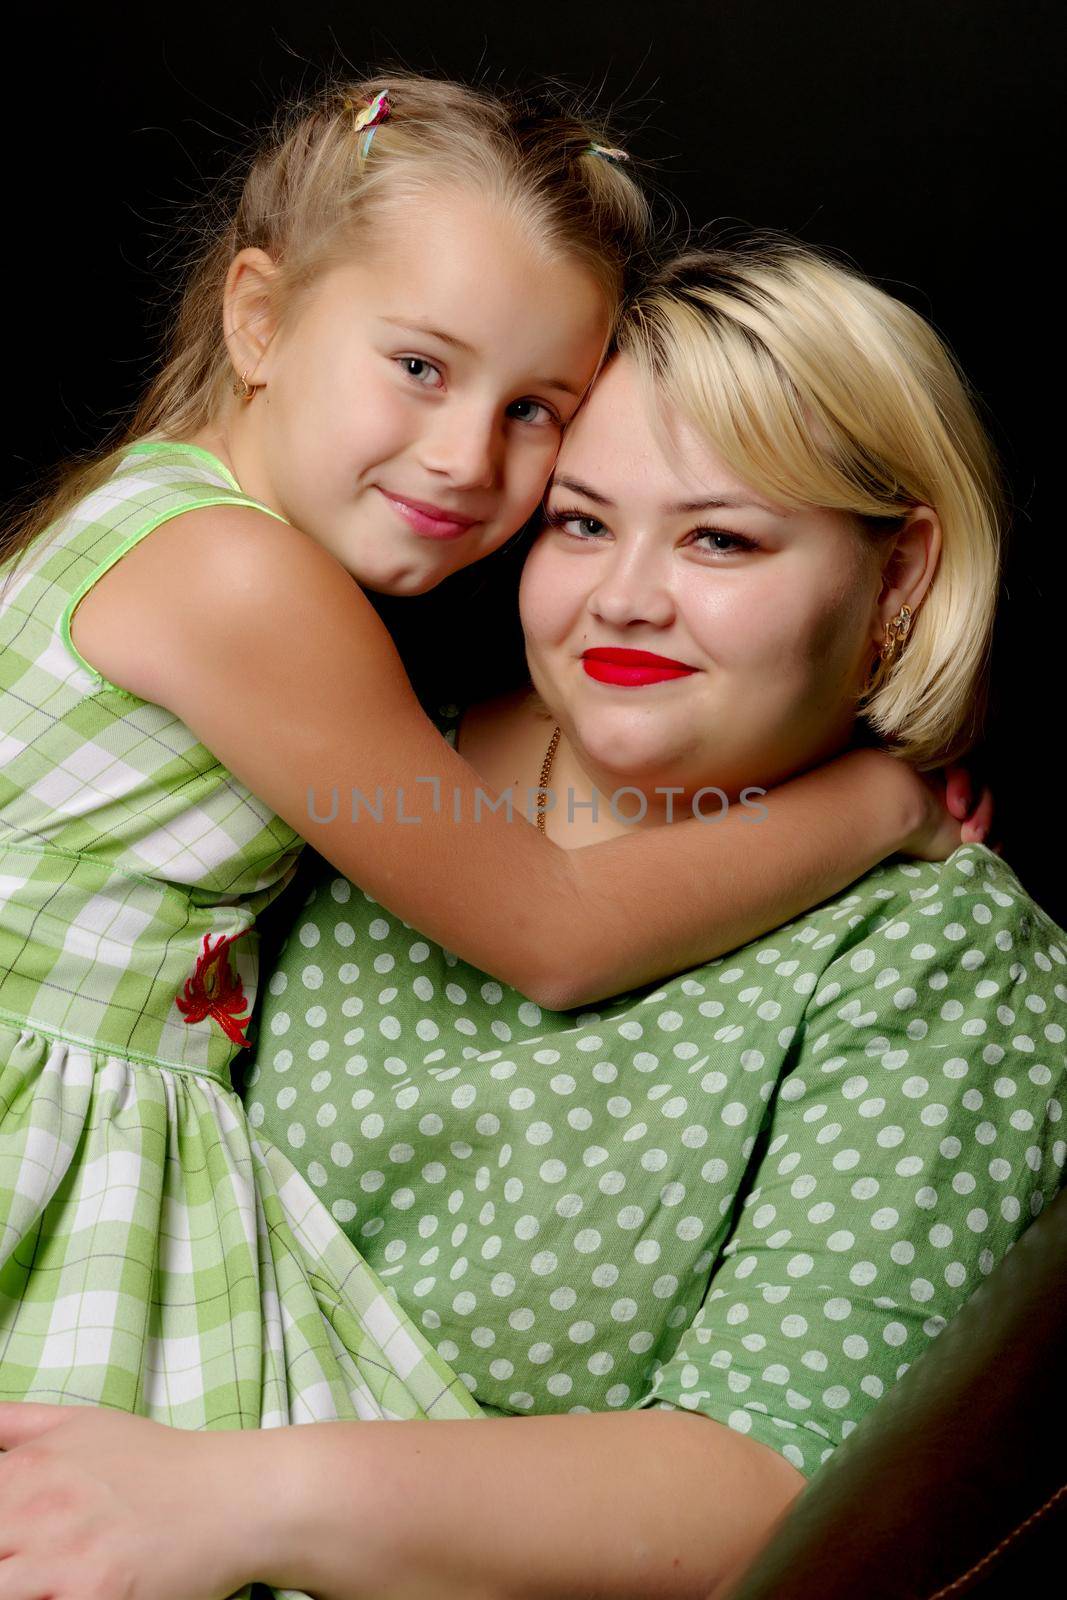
{"points": [[755, 1192]]}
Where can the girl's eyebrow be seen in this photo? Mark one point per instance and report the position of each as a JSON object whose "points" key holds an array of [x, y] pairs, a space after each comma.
{"points": [[679, 508], [416, 325]]}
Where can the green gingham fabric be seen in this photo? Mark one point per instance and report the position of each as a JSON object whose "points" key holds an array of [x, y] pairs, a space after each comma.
{"points": [[153, 1256], [119, 831]]}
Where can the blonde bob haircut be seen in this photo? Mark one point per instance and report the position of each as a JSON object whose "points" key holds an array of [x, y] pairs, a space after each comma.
{"points": [[820, 389]]}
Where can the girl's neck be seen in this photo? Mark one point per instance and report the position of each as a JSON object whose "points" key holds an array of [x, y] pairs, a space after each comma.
{"points": [[235, 448]]}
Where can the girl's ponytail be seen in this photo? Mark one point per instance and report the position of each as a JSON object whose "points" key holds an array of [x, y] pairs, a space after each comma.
{"points": [[322, 178]]}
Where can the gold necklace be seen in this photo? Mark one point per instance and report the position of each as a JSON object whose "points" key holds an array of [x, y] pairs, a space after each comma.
{"points": [[546, 768]]}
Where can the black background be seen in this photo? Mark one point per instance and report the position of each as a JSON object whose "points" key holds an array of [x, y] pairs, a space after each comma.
{"points": [[916, 136]]}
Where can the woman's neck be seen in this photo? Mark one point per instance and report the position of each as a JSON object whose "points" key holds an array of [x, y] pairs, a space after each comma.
{"points": [[506, 741]]}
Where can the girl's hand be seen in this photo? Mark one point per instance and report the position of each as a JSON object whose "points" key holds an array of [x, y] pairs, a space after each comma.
{"points": [[97, 1504], [953, 816]]}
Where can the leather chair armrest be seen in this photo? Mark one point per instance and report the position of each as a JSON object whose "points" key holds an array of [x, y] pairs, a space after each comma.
{"points": [[962, 1463]]}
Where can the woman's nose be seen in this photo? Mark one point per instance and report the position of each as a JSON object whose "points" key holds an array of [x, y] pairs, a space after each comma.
{"points": [[633, 589], [466, 447]]}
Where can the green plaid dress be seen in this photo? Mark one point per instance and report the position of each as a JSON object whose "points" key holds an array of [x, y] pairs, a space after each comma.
{"points": [[154, 1258]]}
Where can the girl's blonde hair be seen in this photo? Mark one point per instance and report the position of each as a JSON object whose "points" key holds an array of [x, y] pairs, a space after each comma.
{"points": [[820, 389], [318, 183]]}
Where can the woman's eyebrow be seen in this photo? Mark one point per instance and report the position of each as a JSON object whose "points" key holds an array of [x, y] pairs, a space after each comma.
{"points": [[678, 508], [722, 502], [577, 487]]}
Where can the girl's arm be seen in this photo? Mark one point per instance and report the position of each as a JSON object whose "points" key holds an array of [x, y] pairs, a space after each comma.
{"points": [[609, 1507], [267, 649]]}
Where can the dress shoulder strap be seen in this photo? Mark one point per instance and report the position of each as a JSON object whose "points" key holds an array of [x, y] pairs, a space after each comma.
{"points": [[154, 481]]}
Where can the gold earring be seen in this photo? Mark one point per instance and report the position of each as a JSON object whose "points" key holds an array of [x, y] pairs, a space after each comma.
{"points": [[241, 388], [896, 632]]}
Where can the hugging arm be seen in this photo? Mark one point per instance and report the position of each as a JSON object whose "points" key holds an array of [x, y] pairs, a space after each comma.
{"points": [[281, 667]]}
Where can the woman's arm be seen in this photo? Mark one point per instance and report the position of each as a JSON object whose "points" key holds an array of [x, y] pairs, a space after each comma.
{"points": [[623, 1507], [917, 1134], [638, 1504], [272, 655]]}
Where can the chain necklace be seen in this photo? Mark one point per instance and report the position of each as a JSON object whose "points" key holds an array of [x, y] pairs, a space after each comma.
{"points": [[546, 769]]}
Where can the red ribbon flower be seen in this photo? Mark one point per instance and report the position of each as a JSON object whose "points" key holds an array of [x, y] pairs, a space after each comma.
{"points": [[216, 991]]}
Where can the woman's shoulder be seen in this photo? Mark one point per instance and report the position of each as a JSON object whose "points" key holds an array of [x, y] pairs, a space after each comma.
{"points": [[947, 985], [973, 889], [963, 933]]}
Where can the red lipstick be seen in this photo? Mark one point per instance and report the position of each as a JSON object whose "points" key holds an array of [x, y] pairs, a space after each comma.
{"points": [[431, 522], [631, 669]]}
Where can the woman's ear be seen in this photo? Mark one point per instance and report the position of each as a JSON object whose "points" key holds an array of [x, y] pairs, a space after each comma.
{"points": [[249, 312], [908, 569]]}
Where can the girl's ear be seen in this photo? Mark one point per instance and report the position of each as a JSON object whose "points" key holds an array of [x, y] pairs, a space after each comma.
{"points": [[249, 311]]}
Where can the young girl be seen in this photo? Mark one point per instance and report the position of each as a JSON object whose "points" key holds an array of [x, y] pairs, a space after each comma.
{"points": [[409, 303]]}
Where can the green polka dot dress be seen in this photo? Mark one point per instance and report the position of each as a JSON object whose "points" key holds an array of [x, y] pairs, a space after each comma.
{"points": [[152, 1258], [757, 1191]]}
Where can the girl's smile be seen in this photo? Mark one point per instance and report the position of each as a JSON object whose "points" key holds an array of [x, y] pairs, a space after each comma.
{"points": [[409, 412], [431, 522]]}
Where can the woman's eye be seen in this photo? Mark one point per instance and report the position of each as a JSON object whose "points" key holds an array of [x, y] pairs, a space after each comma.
{"points": [[737, 541], [421, 371], [578, 526], [527, 411]]}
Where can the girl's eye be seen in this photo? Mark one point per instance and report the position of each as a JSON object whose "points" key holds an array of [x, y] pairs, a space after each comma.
{"points": [[576, 523], [525, 411], [738, 541], [422, 372]]}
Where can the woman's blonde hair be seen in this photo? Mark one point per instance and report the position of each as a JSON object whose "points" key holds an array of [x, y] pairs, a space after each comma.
{"points": [[818, 388], [317, 184]]}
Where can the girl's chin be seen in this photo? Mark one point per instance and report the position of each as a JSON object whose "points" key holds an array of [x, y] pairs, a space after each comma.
{"points": [[405, 583]]}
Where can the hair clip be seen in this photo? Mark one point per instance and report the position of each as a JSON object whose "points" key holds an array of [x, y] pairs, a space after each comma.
{"points": [[606, 153], [368, 117]]}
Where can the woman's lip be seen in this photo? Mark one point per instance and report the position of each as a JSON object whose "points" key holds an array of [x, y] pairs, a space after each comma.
{"points": [[632, 677], [619, 657], [631, 669], [430, 521]]}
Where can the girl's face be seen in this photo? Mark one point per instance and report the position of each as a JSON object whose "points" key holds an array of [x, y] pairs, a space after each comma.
{"points": [[414, 403], [654, 545]]}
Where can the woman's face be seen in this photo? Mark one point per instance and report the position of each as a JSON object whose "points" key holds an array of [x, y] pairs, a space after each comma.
{"points": [[652, 544]]}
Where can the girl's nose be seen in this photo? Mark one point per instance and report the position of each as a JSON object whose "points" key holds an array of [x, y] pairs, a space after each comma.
{"points": [[634, 588], [466, 447]]}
